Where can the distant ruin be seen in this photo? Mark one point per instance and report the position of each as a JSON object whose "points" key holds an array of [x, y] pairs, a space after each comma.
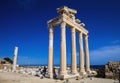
{"points": [[112, 70], [4, 64], [8, 64]]}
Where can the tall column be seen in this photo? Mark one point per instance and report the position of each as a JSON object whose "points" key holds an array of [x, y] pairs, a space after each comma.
{"points": [[87, 53], [63, 50], [15, 58], [73, 62], [50, 55], [82, 69]]}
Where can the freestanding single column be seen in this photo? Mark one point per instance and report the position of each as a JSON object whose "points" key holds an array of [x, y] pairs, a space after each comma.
{"points": [[50, 55], [82, 69], [63, 51], [73, 62], [87, 53], [15, 58]]}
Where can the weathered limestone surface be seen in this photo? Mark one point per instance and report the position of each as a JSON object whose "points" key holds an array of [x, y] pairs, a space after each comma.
{"points": [[81, 55], [67, 18], [112, 70], [63, 51], [87, 54], [50, 57], [73, 62], [15, 58], [5, 65]]}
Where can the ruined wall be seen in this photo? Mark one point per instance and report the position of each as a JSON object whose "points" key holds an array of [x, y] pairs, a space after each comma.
{"points": [[112, 70]]}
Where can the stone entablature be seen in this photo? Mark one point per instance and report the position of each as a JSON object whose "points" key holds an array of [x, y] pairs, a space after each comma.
{"points": [[66, 10], [69, 22]]}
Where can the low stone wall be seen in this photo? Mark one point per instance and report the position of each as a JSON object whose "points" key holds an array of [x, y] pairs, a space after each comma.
{"points": [[5, 66], [1, 66], [112, 70]]}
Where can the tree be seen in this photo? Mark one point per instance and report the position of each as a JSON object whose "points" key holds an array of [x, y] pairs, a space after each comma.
{"points": [[8, 59]]}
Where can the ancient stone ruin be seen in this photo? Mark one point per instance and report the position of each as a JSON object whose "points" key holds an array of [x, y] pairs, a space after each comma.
{"points": [[67, 18], [4, 64], [112, 70]]}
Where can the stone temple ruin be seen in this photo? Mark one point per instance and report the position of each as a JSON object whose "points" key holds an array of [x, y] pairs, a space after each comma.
{"points": [[67, 18]]}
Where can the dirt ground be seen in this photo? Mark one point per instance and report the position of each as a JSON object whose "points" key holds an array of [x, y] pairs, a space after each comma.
{"points": [[10, 77]]}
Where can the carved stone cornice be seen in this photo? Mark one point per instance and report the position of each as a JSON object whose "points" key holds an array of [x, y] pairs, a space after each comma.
{"points": [[70, 21]]}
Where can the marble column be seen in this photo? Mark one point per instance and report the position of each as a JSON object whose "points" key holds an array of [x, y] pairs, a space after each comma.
{"points": [[81, 54], [63, 50], [87, 53], [15, 58], [73, 51], [50, 53]]}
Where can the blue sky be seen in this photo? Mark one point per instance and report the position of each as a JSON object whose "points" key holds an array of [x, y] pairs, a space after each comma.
{"points": [[23, 23]]}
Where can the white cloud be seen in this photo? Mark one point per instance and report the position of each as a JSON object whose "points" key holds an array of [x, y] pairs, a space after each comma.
{"points": [[105, 54], [115, 42], [108, 50]]}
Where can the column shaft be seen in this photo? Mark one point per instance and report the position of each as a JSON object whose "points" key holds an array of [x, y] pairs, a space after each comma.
{"points": [[50, 53], [15, 58], [87, 53], [81, 54], [63, 49], [73, 62]]}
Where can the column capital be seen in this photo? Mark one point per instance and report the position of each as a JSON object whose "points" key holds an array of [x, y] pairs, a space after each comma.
{"points": [[80, 35], [51, 29], [63, 24], [85, 37], [72, 29], [50, 26]]}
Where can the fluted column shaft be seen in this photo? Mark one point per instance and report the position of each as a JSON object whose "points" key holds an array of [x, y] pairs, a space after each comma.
{"points": [[73, 62], [63, 49], [87, 53], [50, 53], [81, 54]]}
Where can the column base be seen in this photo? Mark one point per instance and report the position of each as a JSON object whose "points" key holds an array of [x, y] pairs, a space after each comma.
{"points": [[74, 72], [64, 77], [88, 72], [13, 70], [83, 74], [82, 71], [49, 76]]}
